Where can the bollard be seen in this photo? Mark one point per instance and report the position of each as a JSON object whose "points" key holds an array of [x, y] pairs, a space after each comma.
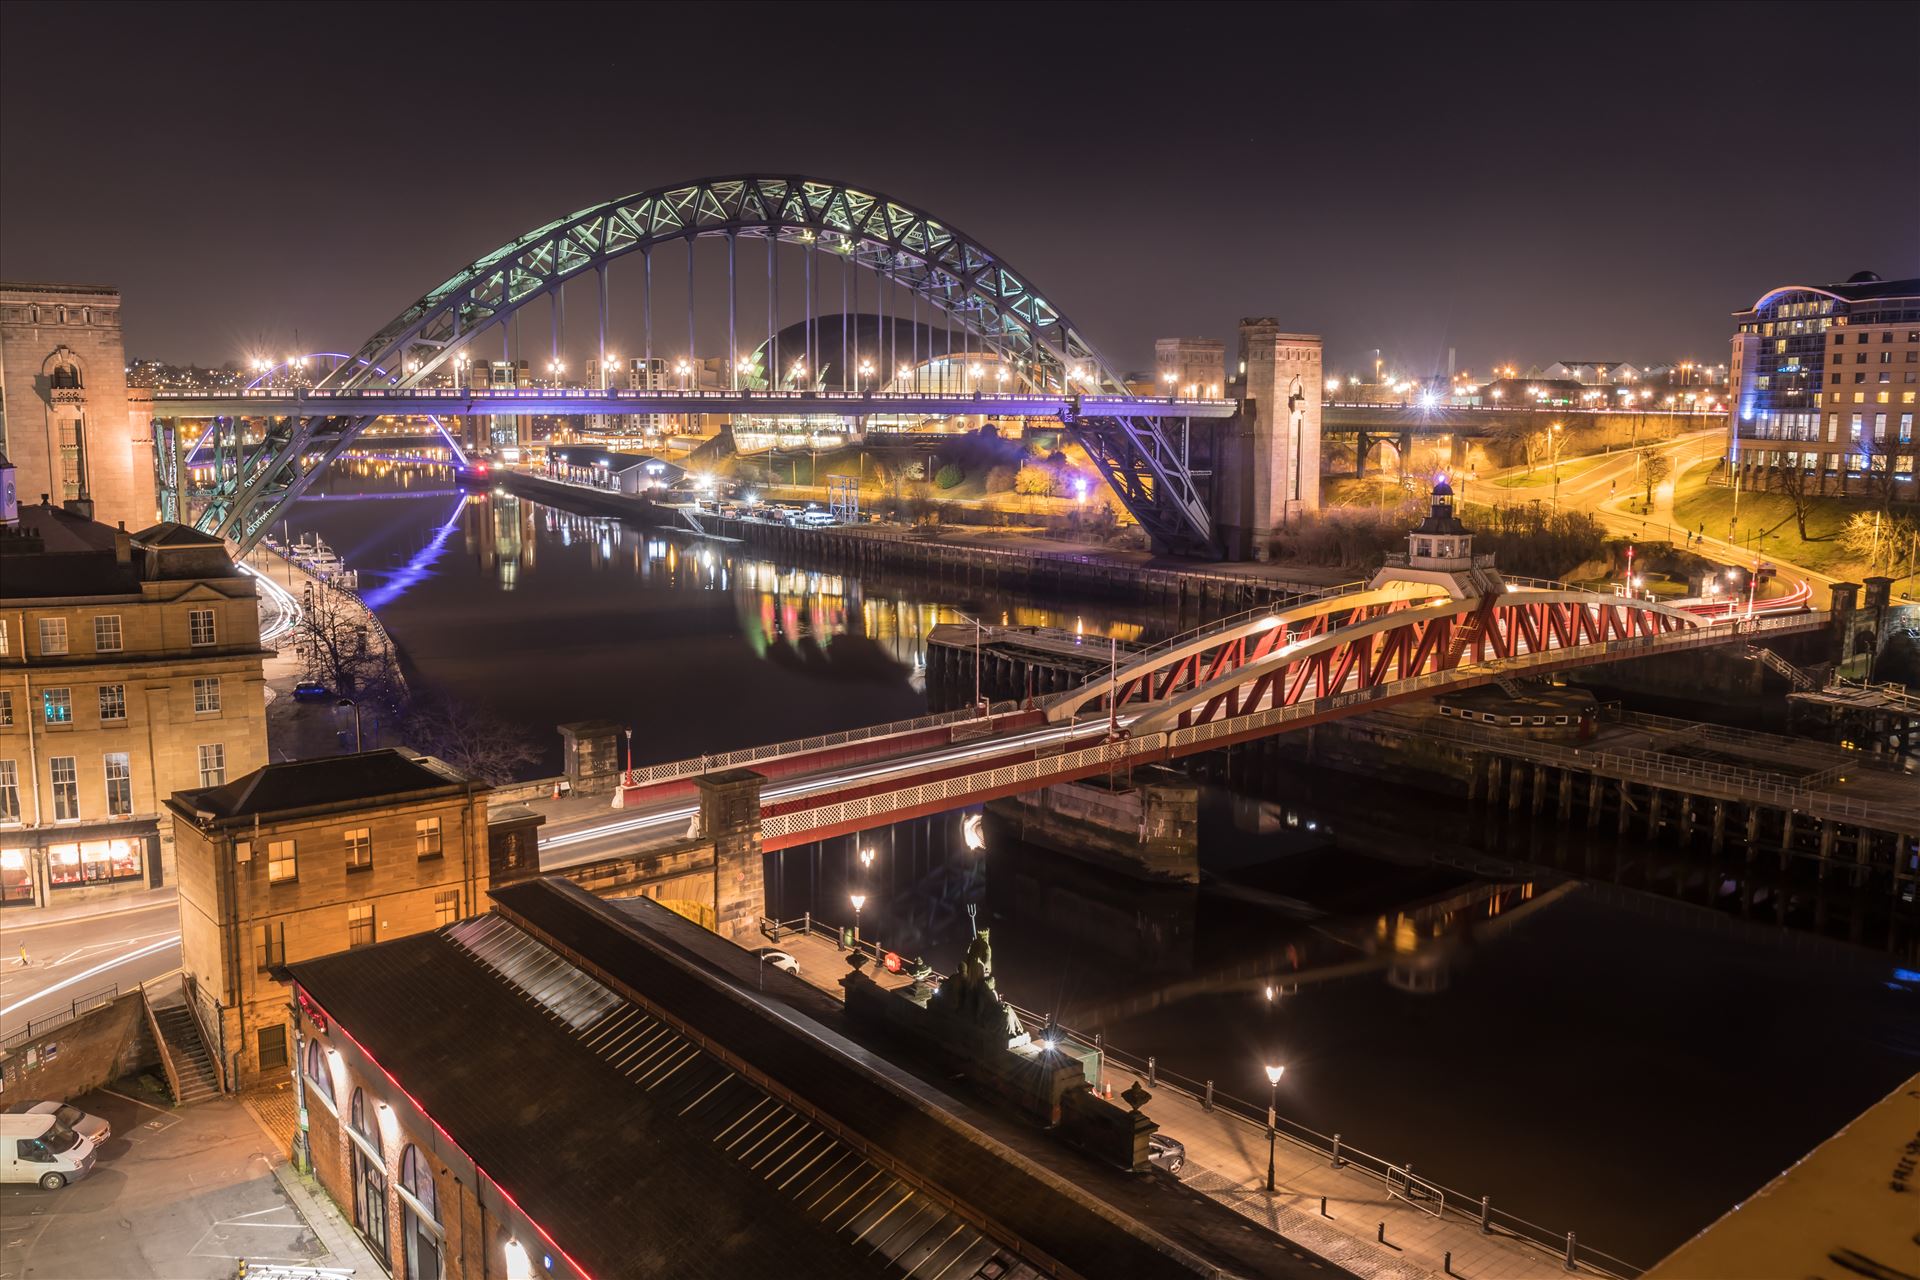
{"points": [[1381, 1234], [1152, 1064], [1447, 1264], [807, 928], [1100, 1042], [1486, 1215], [1337, 1161], [1323, 1206], [1206, 1103], [1570, 1265]]}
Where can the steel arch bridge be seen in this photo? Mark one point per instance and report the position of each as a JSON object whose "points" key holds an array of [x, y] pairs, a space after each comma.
{"points": [[993, 309]]}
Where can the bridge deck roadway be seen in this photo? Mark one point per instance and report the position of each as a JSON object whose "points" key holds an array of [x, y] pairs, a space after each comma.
{"points": [[455, 402]]}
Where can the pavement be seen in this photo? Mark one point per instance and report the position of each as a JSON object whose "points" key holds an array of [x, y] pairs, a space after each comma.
{"points": [[1226, 1161], [177, 1195]]}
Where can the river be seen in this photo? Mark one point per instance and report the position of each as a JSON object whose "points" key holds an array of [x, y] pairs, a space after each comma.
{"points": [[1602, 1061]]}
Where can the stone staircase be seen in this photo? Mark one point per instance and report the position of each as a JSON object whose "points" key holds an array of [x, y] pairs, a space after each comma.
{"points": [[1794, 676], [191, 1073]]}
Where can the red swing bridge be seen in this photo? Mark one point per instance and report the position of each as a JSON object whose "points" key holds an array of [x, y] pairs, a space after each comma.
{"points": [[1436, 618]]}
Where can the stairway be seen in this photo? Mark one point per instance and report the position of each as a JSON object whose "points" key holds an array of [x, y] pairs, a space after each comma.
{"points": [[1795, 677], [183, 1046]]}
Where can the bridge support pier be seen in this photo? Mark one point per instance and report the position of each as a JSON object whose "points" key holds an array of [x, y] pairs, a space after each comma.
{"points": [[730, 818], [1653, 813], [1566, 795], [1596, 800], [1626, 806], [1719, 827]]}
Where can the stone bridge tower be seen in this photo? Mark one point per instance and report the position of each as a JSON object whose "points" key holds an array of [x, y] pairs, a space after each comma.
{"points": [[1267, 460]]}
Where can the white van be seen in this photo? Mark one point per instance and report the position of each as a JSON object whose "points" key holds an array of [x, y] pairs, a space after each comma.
{"points": [[42, 1148]]}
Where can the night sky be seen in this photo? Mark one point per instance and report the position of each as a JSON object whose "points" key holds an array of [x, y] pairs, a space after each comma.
{"points": [[1521, 183]]}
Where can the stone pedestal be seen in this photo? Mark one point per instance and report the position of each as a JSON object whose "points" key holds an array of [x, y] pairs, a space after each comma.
{"points": [[1267, 465], [591, 754], [730, 818]]}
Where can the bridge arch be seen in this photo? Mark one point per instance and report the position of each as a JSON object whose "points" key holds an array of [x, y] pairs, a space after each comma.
{"points": [[930, 258]]}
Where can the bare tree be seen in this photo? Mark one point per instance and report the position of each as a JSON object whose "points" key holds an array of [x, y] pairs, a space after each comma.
{"points": [[470, 738], [339, 645], [1877, 472], [1657, 466], [1796, 483]]}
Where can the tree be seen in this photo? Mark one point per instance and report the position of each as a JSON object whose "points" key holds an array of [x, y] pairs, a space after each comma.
{"points": [[1877, 471], [1796, 485], [1658, 467], [470, 738], [1035, 481], [949, 476], [342, 647], [1877, 539], [1522, 433], [1000, 480]]}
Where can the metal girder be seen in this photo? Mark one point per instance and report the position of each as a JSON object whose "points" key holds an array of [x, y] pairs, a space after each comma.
{"points": [[977, 290]]}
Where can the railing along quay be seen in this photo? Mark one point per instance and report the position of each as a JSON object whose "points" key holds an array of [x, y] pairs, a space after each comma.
{"points": [[1398, 1180]]}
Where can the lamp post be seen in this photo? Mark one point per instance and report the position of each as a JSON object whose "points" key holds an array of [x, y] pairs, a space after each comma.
{"points": [[1273, 1096], [345, 703], [859, 900]]}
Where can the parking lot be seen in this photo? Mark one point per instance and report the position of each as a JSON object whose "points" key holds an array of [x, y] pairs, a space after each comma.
{"points": [[175, 1195]]}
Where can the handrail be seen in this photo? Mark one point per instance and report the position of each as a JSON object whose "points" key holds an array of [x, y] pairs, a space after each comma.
{"points": [[1338, 1150], [47, 1022], [160, 1043]]}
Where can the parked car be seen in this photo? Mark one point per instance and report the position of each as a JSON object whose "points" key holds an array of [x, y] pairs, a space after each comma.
{"points": [[817, 518], [779, 959], [90, 1127], [37, 1147], [310, 691], [1166, 1153]]}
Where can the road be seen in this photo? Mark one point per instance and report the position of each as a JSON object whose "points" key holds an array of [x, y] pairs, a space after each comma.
{"points": [[78, 956]]}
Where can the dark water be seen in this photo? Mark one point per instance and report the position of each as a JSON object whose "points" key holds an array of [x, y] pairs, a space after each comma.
{"points": [[548, 617], [1590, 1058]]}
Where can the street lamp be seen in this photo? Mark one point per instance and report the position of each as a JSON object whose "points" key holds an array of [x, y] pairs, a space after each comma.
{"points": [[344, 704], [866, 860], [859, 900], [1273, 1097]]}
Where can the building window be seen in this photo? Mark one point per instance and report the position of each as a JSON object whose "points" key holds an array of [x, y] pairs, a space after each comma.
{"points": [[213, 764], [106, 633], [206, 694], [200, 626], [369, 1175], [113, 702], [6, 708], [58, 704], [71, 866], [53, 637], [271, 945], [119, 784], [419, 1216], [320, 1075], [360, 849], [446, 906], [66, 788], [426, 837], [360, 924], [283, 861], [16, 878], [3, 637], [272, 1043], [9, 791]]}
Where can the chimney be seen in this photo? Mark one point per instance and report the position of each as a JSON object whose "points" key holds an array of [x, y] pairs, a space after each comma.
{"points": [[82, 507], [122, 545]]}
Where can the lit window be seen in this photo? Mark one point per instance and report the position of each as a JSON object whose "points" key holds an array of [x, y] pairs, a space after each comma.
{"points": [[58, 705], [206, 694], [360, 924], [283, 861], [9, 791], [426, 837], [6, 708], [66, 788], [119, 784], [213, 764], [200, 626], [359, 849], [113, 702], [53, 636], [446, 906], [106, 633]]}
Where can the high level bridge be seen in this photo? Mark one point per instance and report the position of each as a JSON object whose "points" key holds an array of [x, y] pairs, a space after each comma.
{"points": [[1438, 618], [726, 271]]}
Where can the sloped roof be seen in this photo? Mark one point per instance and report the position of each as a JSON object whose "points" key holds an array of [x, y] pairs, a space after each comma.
{"points": [[296, 785]]}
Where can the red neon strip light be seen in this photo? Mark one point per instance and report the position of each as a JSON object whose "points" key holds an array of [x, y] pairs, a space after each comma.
{"points": [[508, 1195]]}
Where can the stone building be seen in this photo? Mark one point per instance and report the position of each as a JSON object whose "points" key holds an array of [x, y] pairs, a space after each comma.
{"points": [[130, 667], [64, 416], [310, 857], [1189, 367], [1267, 458]]}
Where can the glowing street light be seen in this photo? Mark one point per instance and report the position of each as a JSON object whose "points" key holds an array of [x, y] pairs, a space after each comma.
{"points": [[859, 900], [1273, 1096]]}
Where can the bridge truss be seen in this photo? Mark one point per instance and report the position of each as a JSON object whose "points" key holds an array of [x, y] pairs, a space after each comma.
{"points": [[984, 308]]}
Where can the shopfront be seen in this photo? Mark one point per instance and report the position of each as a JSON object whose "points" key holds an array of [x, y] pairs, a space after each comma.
{"points": [[70, 866]]}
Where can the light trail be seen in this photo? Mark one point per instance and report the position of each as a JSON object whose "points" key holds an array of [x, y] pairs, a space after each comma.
{"points": [[138, 954], [289, 613]]}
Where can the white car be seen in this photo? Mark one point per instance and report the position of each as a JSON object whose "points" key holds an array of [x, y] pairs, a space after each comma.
{"points": [[779, 959], [90, 1127]]}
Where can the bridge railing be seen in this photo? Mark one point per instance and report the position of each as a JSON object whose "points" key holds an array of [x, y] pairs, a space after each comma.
{"points": [[1240, 619], [690, 395], [60, 1017], [672, 770]]}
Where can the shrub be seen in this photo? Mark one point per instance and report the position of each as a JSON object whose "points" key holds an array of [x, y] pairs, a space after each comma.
{"points": [[1000, 480], [949, 476]]}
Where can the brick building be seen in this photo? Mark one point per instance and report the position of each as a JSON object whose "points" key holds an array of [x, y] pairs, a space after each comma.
{"points": [[64, 415], [130, 667], [310, 857]]}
